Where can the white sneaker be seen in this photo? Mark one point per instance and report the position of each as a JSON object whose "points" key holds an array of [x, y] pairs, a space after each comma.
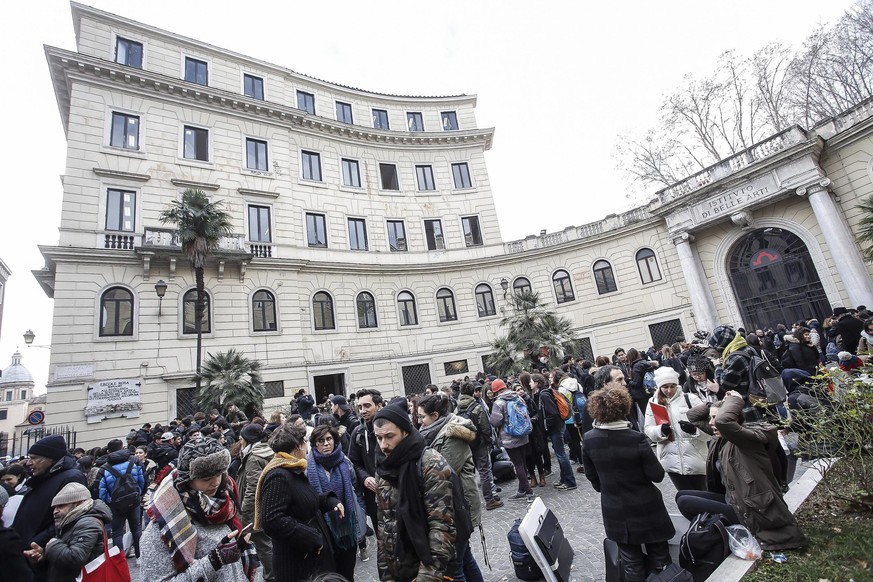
{"points": [[364, 554]]}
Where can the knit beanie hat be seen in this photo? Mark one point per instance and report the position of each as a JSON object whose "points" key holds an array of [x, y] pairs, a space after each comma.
{"points": [[51, 447], [131, 435], [666, 375], [497, 385], [252, 433], [849, 361], [721, 337], [396, 413], [71, 493], [201, 459], [698, 364]]}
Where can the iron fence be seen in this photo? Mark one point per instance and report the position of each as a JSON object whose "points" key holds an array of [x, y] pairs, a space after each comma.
{"points": [[19, 442]]}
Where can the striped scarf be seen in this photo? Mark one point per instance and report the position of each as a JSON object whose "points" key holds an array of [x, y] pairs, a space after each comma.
{"points": [[280, 461]]}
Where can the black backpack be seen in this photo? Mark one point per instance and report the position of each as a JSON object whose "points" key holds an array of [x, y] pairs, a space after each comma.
{"points": [[705, 545], [766, 381], [522, 561], [125, 495]]}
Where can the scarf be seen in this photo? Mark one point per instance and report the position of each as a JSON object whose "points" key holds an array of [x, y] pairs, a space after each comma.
{"points": [[431, 431], [869, 337], [400, 469], [279, 461], [738, 343], [344, 529], [173, 511], [615, 425], [75, 514]]}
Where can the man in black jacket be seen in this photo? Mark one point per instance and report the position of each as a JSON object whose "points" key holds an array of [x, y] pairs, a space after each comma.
{"points": [[52, 468], [849, 329], [305, 403], [554, 426], [362, 453], [471, 408]]}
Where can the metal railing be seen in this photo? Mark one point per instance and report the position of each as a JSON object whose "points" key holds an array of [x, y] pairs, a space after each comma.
{"points": [[19, 442]]}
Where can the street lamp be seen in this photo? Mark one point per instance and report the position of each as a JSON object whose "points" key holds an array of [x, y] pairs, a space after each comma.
{"points": [[504, 284], [29, 336], [161, 290]]}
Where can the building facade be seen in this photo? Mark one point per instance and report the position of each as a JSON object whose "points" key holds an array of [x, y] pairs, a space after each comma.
{"points": [[366, 248]]}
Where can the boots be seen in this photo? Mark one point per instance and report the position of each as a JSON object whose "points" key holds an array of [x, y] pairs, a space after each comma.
{"points": [[542, 479], [532, 479]]}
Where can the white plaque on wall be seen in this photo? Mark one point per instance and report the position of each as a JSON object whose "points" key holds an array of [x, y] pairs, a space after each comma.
{"points": [[74, 371], [113, 399]]}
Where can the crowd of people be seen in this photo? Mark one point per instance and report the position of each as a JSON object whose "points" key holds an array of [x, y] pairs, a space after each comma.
{"points": [[219, 496]]}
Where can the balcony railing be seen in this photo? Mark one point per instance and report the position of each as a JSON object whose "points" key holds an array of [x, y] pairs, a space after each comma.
{"points": [[125, 242], [261, 250], [168, 237]]}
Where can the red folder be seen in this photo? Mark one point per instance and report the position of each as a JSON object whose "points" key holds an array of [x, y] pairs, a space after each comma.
{"points": [[660, 413]]}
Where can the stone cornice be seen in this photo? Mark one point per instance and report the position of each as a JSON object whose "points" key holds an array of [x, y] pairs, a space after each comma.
{"points": [[66, 66], [118, 174], [194, 185]]}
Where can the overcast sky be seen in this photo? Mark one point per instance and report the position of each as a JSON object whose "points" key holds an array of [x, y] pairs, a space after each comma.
{"points": [[558, 80]]}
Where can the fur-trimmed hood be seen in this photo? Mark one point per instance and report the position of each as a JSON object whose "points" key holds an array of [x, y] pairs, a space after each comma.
{"points": [[461, 428]]}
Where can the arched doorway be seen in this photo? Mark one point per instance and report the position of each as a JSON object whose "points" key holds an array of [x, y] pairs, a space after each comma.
{"points": [[775, 280]]}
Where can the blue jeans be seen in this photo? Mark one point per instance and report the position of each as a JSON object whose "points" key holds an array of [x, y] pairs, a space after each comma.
{"points": [[134, 522], [567, 477], [468, 569]]}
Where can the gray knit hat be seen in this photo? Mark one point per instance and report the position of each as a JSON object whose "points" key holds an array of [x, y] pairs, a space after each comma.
{"points": [[200, 459], [71, 493], [721, 337]]}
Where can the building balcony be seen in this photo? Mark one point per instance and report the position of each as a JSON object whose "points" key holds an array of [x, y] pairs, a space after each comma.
{"points": [[163, 244]]}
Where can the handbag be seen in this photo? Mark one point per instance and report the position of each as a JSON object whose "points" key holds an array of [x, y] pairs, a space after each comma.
{"points": [[111, 566]]}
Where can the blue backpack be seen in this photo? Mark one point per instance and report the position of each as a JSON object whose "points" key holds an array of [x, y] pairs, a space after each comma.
{"points": [[518, 422], [579, 404], [649, 381]]}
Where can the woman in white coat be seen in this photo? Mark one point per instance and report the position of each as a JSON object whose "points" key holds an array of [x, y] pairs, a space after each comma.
{"points": [[682, 447]]}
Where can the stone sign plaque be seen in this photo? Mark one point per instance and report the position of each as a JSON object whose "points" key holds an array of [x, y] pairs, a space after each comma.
{"points": [[69, 371], [726, 203], [112, 399]]}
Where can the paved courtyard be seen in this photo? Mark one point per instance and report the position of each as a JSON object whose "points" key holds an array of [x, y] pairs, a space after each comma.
{"points": [[578, 512]]}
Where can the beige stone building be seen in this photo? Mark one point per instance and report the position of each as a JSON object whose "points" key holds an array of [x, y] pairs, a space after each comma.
{"points": [[367, 250]]}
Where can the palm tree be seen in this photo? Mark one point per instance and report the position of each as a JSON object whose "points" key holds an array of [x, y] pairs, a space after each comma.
{"points": [[865, 227], [531, 327], [200, 225], [232, 377]]}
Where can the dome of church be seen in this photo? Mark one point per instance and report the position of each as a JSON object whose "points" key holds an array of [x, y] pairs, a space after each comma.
{"points": [[16, 373]]}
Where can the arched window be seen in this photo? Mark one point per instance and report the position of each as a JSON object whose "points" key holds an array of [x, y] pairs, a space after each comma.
{"points": [[406, 306], [446, 305], [521, 285], [647, 263], [604, 278], [116, 312], [263, 311], [322, 311], [366, 306], [563, 286], [485, 300], [189, 308]]}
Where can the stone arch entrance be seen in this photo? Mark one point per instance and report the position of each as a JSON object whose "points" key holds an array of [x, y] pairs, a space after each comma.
{"points": [[774, 279]]}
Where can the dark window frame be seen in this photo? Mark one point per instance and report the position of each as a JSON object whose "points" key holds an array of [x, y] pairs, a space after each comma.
{"points": [[486, 307], [405, 301], [472, 236], [380, 115], [257, 232], [344, 113], [360, 231], [604, 277], [563, 286], [518, 289], [121, 326], [259, 146], [452, 116], [646, 257], [195, 73], [308, 101], [315, 222], [189, 301], [125, 134], [198, 146], [264, 311], [394, 176], [414, 121], [253, 86], [322, 309], [309, 171], [424, 178], [346, 167], [446, 308], [128, 45], [119, 227], [365, 308], [398, 244], [461, 173], [435, 241]]}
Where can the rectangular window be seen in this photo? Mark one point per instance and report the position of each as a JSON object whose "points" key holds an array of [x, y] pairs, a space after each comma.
{"points": [[424, 176], [259, 224], [125, 131], [433, 233], [450, 120], [388, 173], [196, 145], [351, 173], [456, 367], [9, 396], [128, 52], [316, 230], [253, 86], [396, 235], [4, 414], [380, 119], [256, 154], [120, 210], [344, 112], [358, 234], [311, 166], [196, 71], [306, 102], [274, 389], [461, 175], [472, 234], [414, 121]]}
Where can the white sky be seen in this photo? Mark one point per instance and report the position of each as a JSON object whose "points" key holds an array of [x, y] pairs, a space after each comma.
{"points": [[558, 80]]}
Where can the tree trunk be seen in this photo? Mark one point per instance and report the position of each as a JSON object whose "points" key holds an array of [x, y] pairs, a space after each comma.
{"points": [[198, 318]]}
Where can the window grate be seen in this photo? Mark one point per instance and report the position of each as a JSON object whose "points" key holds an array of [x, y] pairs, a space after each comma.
{"points": [[456, 367], [415, 378], [274, 389], [186, 402], [585, 350], [666, 333]]}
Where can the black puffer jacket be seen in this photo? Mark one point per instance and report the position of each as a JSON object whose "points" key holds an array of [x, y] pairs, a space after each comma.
{"points": [[78, 542], [802, 357]]}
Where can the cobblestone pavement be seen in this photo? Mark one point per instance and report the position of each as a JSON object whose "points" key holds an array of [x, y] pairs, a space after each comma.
{"points": [[579, 515]]}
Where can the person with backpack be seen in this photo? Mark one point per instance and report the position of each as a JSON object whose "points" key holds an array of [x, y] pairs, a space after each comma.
{"points": [[417, 531], [451, 435], [736, 357], [569, 388], [637, 385], [510, 417], [472, 409], [555, 410], [121, 488], [539, 443]]}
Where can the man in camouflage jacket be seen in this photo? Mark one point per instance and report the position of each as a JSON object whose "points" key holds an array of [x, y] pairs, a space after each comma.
{"points": [[416, 533]]}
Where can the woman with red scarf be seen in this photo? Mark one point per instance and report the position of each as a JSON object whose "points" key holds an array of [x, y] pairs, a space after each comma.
{"points": [[194, 522]]}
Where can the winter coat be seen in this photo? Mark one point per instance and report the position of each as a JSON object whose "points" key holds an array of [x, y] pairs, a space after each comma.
{"points": [[752, 486], [621, 465], [305, 404], [78, 542], [362, 454], [253, 463], [119, 461], [850, 328], [686, 453], [162, 454], [734, 374], [549, 415], [453, 443], [499, 419], [566, 389], [292, 515], [469, 407], [801, 356], [440, 510], [33, 521], [14, 564], [635, 384]]}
